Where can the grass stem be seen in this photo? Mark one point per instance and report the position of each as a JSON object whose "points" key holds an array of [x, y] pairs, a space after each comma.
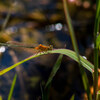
{"points": [[96, 31], [72, 35]]}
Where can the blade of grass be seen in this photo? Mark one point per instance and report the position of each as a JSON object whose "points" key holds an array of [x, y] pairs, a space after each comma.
{"points": [[21, 62], [12, 87], [73, 96], [96, 31], [66, 52], [6, 21], [98, 95], [42, 91], [1, 97], [72, 35], [46, 93], [54, 70], [73, 55]]}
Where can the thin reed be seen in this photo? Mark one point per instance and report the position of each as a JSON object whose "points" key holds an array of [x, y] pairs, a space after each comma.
{"points": [[72, 35], [96, 64]]}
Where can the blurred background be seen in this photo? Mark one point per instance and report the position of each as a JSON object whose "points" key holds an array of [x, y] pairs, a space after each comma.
{"points": [[43, 22]]}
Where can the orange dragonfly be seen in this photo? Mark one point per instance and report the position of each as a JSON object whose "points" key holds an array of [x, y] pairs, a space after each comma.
{"points": [[39, 48]]}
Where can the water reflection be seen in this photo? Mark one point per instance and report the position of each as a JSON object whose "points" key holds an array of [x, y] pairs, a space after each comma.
{"points": [[2, 49], [84, 57], [11, 30], [58, 26]]}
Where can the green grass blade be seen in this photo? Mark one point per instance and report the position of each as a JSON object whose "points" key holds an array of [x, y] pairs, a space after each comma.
{"points": [[73, 96], [1, 97], [70, 28], [6, 20], [45, 93], [21, 62], [98, 95], [72, 35], [12, 87], [42, 91], [54, 70], [66, 52], [73, 55], [96, 57]]}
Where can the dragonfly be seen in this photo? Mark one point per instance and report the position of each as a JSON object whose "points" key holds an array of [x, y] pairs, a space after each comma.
{"points": [[39, 48]]}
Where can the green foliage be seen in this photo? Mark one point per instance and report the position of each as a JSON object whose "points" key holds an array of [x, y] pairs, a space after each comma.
{"points": [[74, 43], [72, 54], [73, 96], [85, 63], [1, 97], [12, 87], [96, 45], [98, 42], [54, 70], [98, 95], [45, 93]]}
